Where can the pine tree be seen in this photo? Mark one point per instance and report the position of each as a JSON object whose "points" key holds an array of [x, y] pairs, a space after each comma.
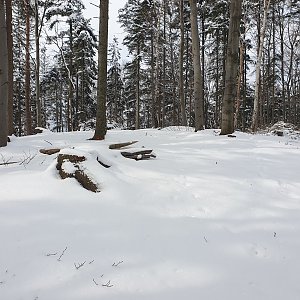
{"points": [[115, 103]]}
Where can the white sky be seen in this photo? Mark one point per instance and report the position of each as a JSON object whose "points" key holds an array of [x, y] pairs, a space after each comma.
{"points": [[113, 27]]}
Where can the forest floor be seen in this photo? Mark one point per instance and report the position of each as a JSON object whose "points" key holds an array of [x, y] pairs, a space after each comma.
{"points": [[211, 217]]}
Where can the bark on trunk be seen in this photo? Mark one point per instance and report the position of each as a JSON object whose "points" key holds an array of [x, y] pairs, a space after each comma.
{"points": [[198, 79], [255, 116], [231, 68], [100, 130], [10, 66], [27, 73], [181, 89], [37, 67], [3, 77]]}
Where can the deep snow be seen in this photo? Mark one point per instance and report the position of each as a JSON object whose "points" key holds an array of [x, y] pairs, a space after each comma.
{"points": [[211, 217]]}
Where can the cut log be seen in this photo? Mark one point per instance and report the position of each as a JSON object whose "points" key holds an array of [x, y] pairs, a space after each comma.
{"points": [[49, 151], [138, 155], [121, 145], [85, 181], [68, 157], [70, 166]]}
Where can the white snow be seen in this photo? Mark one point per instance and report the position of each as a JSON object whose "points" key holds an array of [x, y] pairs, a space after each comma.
{"points": [[211, 217]]}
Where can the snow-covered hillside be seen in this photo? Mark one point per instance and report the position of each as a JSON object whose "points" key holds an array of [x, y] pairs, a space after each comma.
{"points": [[211, 217]]}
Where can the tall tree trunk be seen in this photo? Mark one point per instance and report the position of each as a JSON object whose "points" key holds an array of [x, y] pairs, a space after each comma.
{"points": [[137, 91], [27, 73], [164, 67], [231, 68], [37, 66], [198, 79], [71, 84], [3, 77], [255, 116], [10, 66], [239, 84], [100, 131], [153, 104], [181, 52]]}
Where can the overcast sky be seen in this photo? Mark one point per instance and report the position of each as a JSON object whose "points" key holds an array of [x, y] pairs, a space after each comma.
{"points": [[113, 26]]}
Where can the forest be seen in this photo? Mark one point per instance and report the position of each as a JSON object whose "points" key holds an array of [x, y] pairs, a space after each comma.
{"points": [[205, 64], [193, 193]]}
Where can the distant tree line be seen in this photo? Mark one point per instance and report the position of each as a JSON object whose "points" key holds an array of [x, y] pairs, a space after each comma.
{"points": [[201, 63]]}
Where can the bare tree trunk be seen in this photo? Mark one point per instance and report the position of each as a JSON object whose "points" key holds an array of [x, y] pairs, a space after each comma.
{"points": [[71, 84], [10, 66], [181, 52], [153, 104], [100, 131], [198, 79], [137, 93], [231, 68], [255, 116], [37, 66], [3, 77], [164, 67], [239, 85], [27, 73]]}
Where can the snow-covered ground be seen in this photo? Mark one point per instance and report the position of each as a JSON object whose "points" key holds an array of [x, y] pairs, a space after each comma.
{"points": [[211, 217]]}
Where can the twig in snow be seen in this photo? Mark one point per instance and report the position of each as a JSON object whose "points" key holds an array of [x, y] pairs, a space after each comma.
{"points": [[95, 282], [51, 254], [6, 161], [116, 264], [275, 234], [48, 142], [108, 284], [205, 239], [27, 158], [91, 262], [79, 265], [59, 259], [94, 4]]}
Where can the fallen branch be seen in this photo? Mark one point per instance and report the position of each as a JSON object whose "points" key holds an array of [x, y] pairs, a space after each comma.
{"points": [[121, 145], [102, 163], [6, 161], [9, 163]]}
